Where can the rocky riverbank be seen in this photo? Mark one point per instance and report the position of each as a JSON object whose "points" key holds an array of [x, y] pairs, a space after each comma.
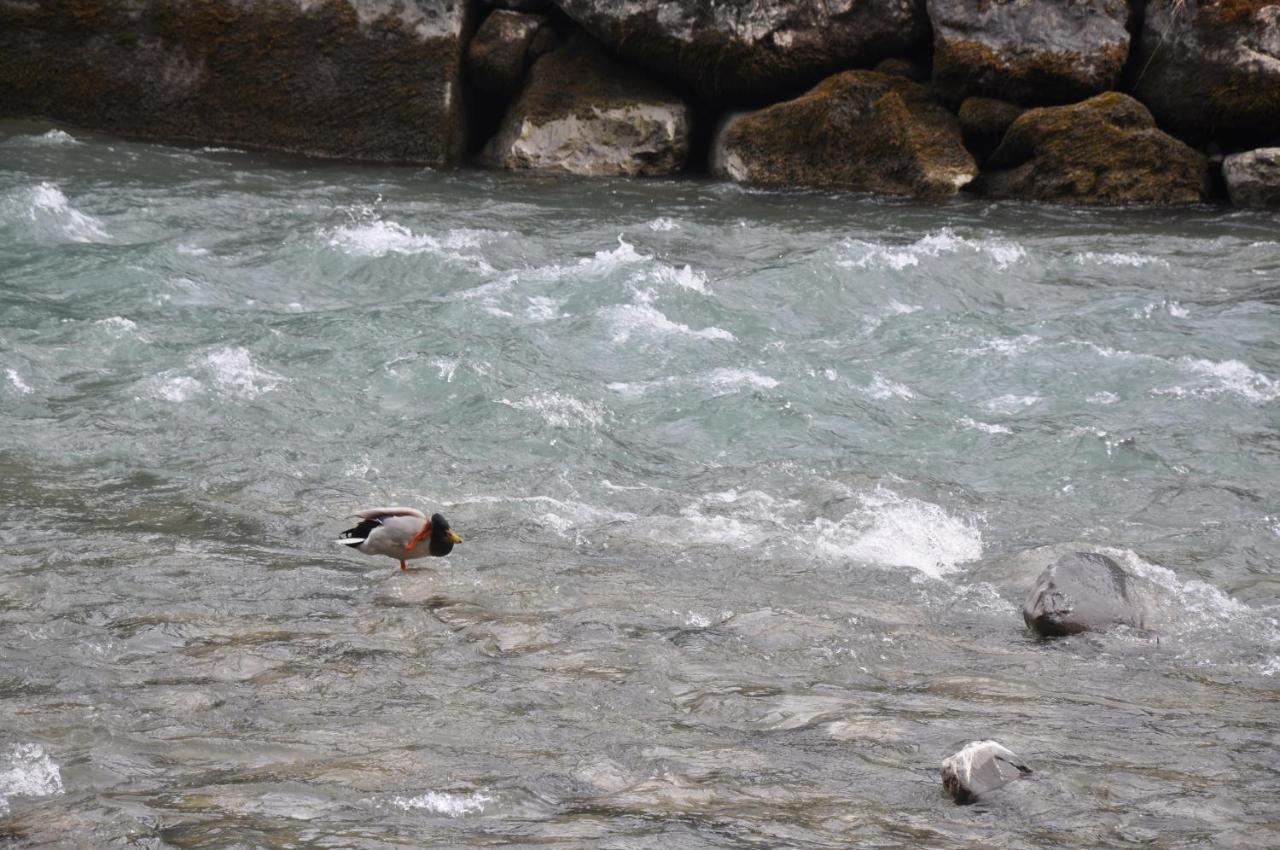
{"points": [[1089, 102]]}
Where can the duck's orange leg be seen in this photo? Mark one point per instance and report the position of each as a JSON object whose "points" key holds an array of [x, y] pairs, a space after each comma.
{"points": [[403, 565]]}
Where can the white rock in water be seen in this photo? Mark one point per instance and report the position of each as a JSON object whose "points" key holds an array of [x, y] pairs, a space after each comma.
{"points": [[979, 768]]}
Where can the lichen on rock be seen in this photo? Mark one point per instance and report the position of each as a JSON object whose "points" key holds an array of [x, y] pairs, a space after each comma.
{"points": [[1033, 52], [369, 79], [858, 130], [740, 52], [1105, 150], [1210, 69]]}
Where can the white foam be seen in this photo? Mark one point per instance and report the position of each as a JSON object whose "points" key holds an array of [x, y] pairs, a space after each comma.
{"points": [[191, 250], [49, 204], [27, 771], [1008, 346], [177, 388], [542, 309], [874, 255], [1010, 404], [882, 388], [1230, 376], [1270, 666], [685, 277], [663, 224], [444, 803], [378, 238], [631, 319], [896, 531], [607, 260], [966, 422], [447, 366], [560, 410], [119, 326], [724, 381], [1130, 260], [1001, 251], [56, 137], [234, 371], [18, 384], [1103, 397]]}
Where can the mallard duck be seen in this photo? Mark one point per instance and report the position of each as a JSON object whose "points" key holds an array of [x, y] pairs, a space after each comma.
{"points": [[398, 533]]}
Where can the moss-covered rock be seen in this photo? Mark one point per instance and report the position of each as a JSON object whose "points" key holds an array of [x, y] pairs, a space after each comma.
{"points": [[1105, 150], [1253, 177], [984, 121], [741, 52], [350, 78], [1210, 69], [583, 112], [1033, 52], [857, 130], [501, 49]]}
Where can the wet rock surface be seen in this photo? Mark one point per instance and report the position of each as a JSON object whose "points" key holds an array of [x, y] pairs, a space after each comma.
{"points": [[349, 78], [1105, 150], [980, 768], [1034, 52], [740, 52], [502, 49], [582, 112], [857, 130], [1253, 177], [1211, 70], [1080, 592]]}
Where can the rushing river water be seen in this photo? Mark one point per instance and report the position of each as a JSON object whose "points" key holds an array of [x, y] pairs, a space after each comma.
{"points": [[752, 486]]}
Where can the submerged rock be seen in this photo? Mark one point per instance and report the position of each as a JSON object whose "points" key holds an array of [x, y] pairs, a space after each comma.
{"points": [[1105, 150], [755, 52], [352, 78], [1033, 52], [1082, 591], [1210, 69], [1253, 177], [582, 112], [501, 49], [980, 768], [858, 130]]}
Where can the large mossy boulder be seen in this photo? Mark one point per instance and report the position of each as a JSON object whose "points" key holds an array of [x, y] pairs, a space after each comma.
{"points": [[1253, 178], [1105, 150], [858, 130], [349, 78], [1033, 52], [740, 52], [582, 112], [1210, 69]]}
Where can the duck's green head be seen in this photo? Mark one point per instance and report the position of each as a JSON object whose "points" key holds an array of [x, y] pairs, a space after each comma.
{"points": [[442, 536]]}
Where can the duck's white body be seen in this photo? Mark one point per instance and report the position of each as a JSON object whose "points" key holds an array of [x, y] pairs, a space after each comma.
{"points": [[397, 532]]}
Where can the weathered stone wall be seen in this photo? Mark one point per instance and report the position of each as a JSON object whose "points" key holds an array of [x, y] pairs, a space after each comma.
{"points": [[408, 80], [373, 79]]}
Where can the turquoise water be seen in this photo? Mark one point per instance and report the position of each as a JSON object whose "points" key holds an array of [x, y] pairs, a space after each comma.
{"points": [[752, 485]]}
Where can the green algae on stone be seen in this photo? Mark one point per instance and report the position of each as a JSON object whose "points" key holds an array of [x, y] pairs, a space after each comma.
{"points": [[1105, 150], [858, 130]]}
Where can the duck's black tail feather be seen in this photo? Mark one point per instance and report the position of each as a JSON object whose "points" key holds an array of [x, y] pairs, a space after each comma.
{"points": [[356, 536]]}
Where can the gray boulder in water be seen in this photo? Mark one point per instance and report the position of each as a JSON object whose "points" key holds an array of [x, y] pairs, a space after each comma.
{"points": [[980, 768], [1082, 591]]}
